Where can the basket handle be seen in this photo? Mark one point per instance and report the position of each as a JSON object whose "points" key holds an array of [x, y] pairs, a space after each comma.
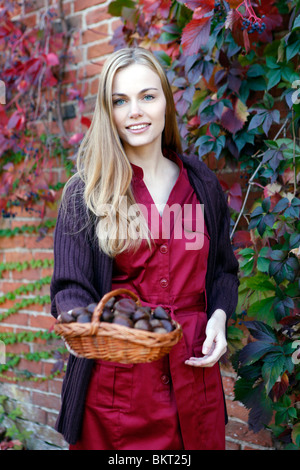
{"points": [[99, 309]]}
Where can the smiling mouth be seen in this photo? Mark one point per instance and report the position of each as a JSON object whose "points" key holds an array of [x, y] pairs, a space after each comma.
{"points": [[137, 127]]}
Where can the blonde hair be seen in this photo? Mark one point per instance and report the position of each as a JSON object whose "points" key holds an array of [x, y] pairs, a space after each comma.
{"points": [[102, 163]]}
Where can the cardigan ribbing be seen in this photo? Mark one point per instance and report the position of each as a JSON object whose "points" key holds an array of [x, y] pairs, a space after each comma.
{"points": [[83, 274]]}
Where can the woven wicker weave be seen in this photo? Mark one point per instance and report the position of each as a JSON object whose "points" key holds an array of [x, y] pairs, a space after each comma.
{"points": [[113, 342]]}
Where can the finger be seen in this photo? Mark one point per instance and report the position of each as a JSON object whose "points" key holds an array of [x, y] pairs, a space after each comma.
{"points": [[205, 361]]}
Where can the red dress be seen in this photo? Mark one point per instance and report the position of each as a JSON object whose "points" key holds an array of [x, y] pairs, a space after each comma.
{"points": [[165, 404]]}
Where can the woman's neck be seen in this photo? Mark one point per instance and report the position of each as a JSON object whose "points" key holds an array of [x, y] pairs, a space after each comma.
{"points": [[149, 159]]}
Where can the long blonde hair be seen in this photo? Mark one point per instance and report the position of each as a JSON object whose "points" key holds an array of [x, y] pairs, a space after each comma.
{"points": [[102, 163]]}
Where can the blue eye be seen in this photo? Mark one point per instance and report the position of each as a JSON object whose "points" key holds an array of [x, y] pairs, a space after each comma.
{"points": [[118, 102], [148, 97]]}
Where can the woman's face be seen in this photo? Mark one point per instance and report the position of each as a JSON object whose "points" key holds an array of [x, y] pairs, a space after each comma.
{"points": [[139, 107]]}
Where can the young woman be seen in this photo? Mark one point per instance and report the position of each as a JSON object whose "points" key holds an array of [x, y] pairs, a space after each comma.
{"points": [[167, 253]]}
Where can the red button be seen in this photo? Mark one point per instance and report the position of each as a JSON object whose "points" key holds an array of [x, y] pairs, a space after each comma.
{"points": [[164, 282], [163, 249], [165, 379]]}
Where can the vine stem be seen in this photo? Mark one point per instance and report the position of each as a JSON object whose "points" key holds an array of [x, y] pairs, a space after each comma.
{"points": [[294, 152], [251, 183]]}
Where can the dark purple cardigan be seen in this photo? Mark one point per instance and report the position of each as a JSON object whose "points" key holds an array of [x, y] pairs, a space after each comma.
{"points": [[83, 274]]}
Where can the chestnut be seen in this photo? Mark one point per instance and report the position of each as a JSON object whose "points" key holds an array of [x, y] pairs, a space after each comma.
{"points": [[167, 325], [78, 311], [155, 322], [159, 329], [84, 318], [161, 314], [91, 307], [122, 320], [110, 302], [140, 313], [66, 317], [107, 315], [125, 306], [143, 324]]}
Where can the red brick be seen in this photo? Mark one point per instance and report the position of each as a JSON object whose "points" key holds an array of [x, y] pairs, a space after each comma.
{"points": [[46, 401], [99, 50], [9, 286], [17, 319], [27, 274], [54, 386], [95, 33], [12, 242], [90, 70], [232, 446], [43, 322], [241, 432], [236, 410], [32, 242], [84, 4], [46, 272], [97, 15], [51, 419], [7, 304], [94, 86], [228, 384], [17, 348], [31, 366]]}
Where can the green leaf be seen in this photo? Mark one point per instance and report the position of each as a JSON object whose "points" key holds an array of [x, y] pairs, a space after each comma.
{"points": [[292, 50], [263, 264], [115, 8], [272, 63], [255, 70], [255, 351], [262, 308], [272, 369], [268, 100], [296, 23], [273, 78], [296, 428]]}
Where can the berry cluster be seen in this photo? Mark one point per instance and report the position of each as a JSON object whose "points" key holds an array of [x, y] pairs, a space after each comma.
{"points": [[218, 9], [217, 6], [253, 26]]}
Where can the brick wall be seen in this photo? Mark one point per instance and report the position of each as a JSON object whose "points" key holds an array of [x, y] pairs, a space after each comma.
{"points": [[40, 401]]}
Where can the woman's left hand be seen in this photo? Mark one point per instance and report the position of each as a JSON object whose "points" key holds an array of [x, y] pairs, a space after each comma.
{"points": [[215, 344]]}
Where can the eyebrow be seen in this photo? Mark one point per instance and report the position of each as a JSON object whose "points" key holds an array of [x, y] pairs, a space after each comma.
{"points": [[142, 91]]}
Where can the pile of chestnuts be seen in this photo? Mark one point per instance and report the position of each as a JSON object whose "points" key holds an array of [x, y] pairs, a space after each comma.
{"points": [[124, 312]]}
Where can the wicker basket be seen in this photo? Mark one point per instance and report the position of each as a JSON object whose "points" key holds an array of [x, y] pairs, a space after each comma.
{"points": [[113, 342]]}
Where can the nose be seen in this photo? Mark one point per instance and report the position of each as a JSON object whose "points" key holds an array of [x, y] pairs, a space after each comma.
{"points": [[135, 110]]}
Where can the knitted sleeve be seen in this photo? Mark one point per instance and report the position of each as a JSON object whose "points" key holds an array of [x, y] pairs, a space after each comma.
{"points": [[224, 289], [72, 284]]}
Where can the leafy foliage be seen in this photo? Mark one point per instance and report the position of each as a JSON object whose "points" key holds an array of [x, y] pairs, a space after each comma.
{"points": [[234, 69], [33, 143]]}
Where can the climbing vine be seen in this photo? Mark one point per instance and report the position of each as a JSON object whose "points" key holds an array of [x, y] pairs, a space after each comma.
{"points": [[36, 158]]}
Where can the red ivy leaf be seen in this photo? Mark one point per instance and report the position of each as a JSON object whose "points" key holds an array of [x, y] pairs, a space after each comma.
{"points": [[52, 59], [76, 138], [16, 121], [85, 121], [242, 239], [205, 5], [234, 119], [195, 35], [154, 7], [235, 197]]}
